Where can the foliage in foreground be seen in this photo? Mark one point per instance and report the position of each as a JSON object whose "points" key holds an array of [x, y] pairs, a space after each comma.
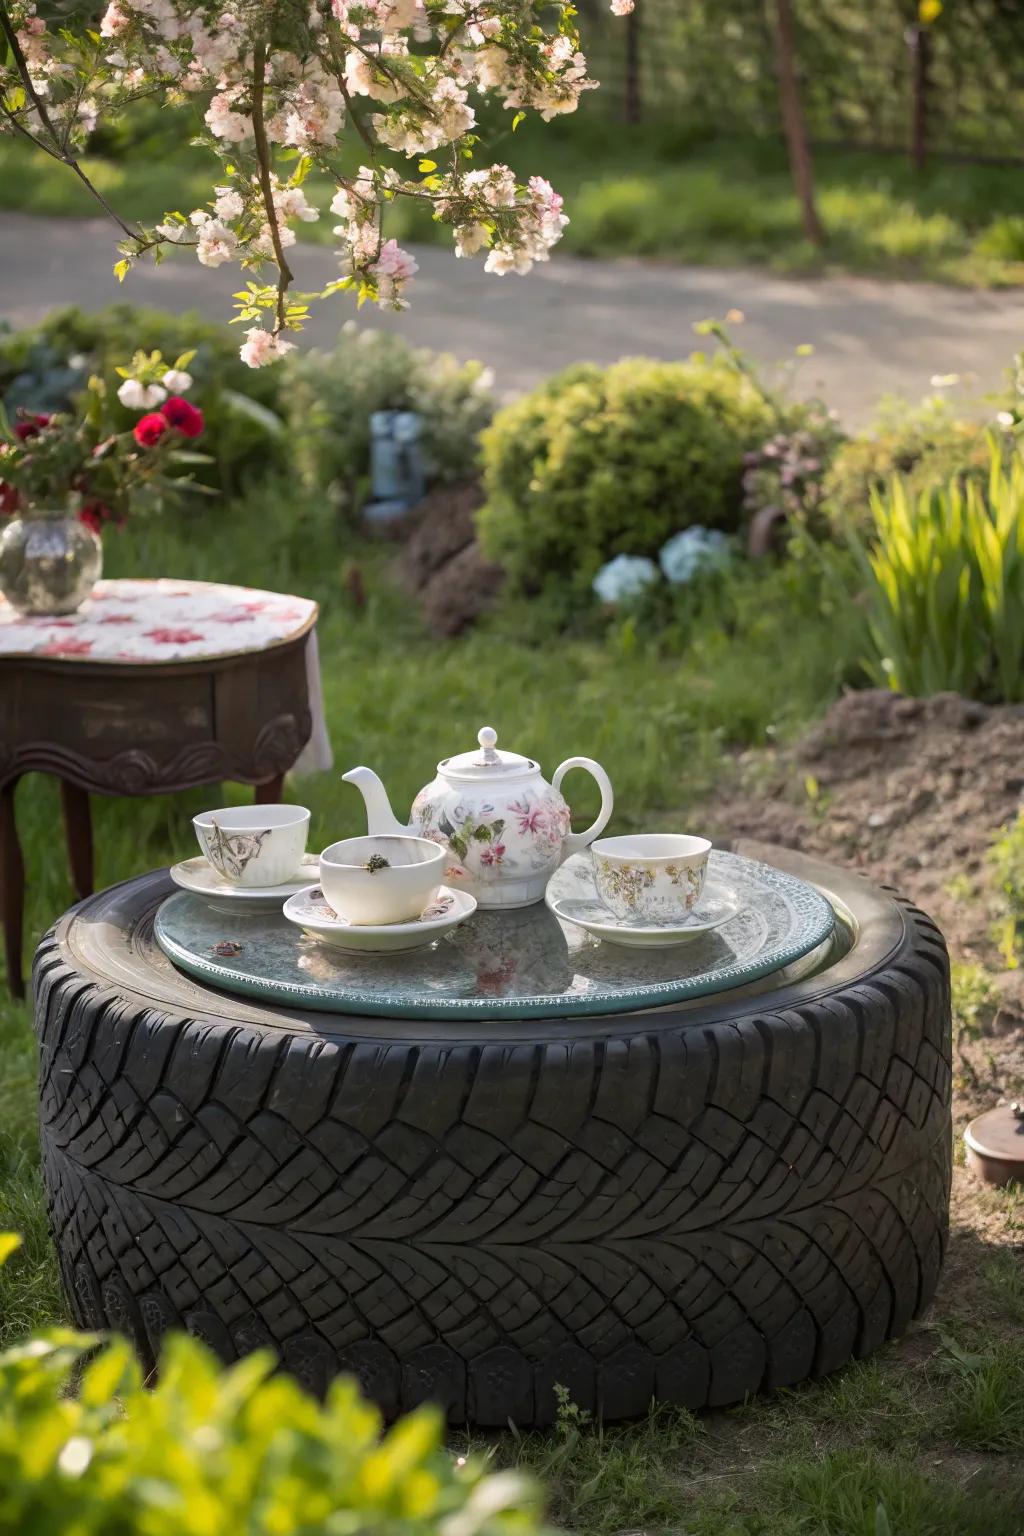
{"points": [[208, 1451], [946, 586], [599, 462]]}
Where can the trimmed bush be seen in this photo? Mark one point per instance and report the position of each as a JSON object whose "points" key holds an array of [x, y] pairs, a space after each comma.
{"points": [[43, 366], [332, 395], [225, 1451], [599, 462]]}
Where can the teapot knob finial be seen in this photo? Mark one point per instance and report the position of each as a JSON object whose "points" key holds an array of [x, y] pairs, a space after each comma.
{"points": [[487, 739]]}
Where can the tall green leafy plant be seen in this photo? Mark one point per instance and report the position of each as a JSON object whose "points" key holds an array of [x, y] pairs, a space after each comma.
{"points": [[945, 581], [208, 1450]]}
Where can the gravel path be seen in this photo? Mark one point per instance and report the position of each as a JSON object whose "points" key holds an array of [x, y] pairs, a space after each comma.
{"points": [[870, 338]]}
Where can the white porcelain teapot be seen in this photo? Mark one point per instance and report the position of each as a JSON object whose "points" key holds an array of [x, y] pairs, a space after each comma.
{"points": [[506, 827]]}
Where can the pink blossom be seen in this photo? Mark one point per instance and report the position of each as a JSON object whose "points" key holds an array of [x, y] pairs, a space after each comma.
{"points": [[393, 269], [262, 347]]}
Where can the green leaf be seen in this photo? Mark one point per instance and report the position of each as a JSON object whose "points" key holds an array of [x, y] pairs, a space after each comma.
{"points": [[242, 405], [520, 117], [122, 268]]}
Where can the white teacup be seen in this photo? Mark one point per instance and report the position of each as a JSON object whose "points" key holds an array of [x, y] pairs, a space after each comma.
{"points": [[254, 845], [655, 876], [386, 879]]}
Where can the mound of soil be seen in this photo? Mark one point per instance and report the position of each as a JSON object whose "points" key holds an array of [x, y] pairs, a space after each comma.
{"points": [[912, 792], [441, 561]]}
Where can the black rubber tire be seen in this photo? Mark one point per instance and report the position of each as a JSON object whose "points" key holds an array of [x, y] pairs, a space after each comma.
{"points": [[687, 1204]]}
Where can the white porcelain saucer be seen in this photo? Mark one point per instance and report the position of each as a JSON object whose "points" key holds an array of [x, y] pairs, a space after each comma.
{"points": [[199, 876], [310, 911], [573, 902]]}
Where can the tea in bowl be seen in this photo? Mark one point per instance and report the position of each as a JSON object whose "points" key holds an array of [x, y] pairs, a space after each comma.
{"points": [[254, 845], [657, 877], [385, 879]]}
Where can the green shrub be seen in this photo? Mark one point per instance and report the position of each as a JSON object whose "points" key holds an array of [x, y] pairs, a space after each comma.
{"points": [[928, 445], [598, 462], [945, 580], [212, 1452], [42, 366], [332, 395]]}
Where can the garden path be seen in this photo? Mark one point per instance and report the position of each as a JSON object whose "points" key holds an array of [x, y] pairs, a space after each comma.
{"points": [[870, 338]]}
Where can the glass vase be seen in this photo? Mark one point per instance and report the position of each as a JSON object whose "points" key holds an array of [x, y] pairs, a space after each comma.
{"points": [[49, 563]]}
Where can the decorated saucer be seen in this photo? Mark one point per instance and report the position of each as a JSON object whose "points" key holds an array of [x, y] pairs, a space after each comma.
{"points": [[311, 912], [199, 876], [576, 901]]}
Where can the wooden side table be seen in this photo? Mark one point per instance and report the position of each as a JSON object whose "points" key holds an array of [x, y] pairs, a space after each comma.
{"points": [[142, 727]]}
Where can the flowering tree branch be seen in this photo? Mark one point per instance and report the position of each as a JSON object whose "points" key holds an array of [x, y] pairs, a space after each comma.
{"points": [[58, 149], [284, 272], [283, 83]]}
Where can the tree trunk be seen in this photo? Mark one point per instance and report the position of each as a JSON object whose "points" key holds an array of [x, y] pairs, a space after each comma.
{"points": [[793, 120]]}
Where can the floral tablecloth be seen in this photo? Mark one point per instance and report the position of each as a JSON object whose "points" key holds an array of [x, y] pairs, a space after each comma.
{"points": [[164, 621]]}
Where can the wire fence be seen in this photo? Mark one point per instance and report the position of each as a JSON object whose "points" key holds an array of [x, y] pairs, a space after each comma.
{"points": [[870, 76]]}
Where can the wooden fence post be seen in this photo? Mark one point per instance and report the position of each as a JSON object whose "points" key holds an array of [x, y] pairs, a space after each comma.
{"points": [[793, 120], [919, 43]]}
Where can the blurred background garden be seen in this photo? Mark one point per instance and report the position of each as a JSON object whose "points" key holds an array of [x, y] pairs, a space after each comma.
{"points": [[763, 615]]}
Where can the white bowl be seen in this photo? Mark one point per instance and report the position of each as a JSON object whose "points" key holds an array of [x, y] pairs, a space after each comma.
{"points": [[395, 892], [254, 845], [658, 876]]}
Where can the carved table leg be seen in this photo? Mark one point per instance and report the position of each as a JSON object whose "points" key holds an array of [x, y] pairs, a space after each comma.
{"points": [[12, 888], [78, 829], [270, 793]]}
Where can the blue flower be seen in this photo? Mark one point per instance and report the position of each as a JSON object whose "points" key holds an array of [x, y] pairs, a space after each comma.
{"points": [[624, 577], [694, 552]]}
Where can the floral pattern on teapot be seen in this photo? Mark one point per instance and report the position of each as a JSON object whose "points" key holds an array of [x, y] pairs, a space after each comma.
{"points": [[527, 839]]}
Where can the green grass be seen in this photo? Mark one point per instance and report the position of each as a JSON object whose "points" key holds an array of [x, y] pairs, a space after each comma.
{"points": [[657, 190]]}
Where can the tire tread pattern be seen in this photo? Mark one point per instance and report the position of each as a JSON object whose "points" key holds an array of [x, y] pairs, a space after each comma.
{"points": [[692, 1212]]}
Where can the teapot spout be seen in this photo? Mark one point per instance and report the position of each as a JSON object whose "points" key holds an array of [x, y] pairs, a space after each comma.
{"points": [[380, 818]]}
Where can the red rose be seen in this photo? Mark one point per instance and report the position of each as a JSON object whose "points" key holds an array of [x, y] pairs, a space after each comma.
{"points": [[9, 499], [94, 514], [150, 429], [185, 418], [30, 426]]}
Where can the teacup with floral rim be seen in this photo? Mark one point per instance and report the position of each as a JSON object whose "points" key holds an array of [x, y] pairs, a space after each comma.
{"points": [[658, 876]]}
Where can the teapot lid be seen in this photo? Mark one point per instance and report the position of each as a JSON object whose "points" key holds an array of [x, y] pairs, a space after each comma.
{"points": [[487, 762]]}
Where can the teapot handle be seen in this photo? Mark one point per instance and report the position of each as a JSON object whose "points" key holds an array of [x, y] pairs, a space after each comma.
{"points": [[575, 841]]}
